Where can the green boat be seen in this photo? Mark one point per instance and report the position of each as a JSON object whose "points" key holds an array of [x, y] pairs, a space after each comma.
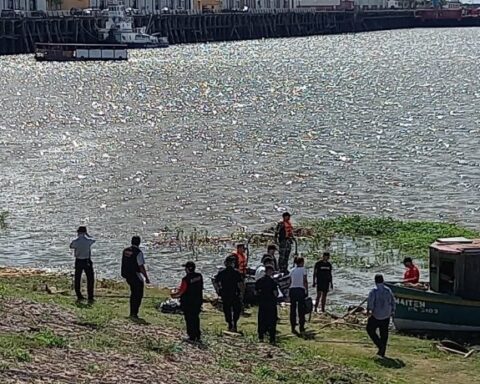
{"points": [[451, 300]]}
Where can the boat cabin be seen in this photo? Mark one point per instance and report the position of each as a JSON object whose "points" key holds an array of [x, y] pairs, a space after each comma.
{"points": [[455, 267]]}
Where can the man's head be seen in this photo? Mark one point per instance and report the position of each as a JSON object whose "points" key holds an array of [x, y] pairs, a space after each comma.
{"points": [[326, 256], [269, 270], [189, 266], [241, 247], [408, 262], [379, 279], [271, 249], [267, 261], [299, 261], [82, 230], [230, 261], [136, 241], [286, 216]]}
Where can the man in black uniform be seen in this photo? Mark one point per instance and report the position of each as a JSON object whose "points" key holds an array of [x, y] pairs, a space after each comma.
{"points": [[133, 270], [230, 286], [322, 279], [284, 238], [267, 292], [191, 299]]}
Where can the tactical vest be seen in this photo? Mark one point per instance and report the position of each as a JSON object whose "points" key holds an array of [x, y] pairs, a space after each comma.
{"points": [[130, 266], [193, 296]]}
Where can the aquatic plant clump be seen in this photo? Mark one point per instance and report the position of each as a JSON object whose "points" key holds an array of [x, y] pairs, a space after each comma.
{"points": [[409, 237], [3, 219]]}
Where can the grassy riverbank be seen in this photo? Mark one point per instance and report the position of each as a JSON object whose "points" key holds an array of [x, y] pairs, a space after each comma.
{"points": [[410, 238], [45, 337]]}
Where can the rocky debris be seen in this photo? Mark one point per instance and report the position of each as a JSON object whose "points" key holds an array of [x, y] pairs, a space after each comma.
{"points": [[18, 315]]}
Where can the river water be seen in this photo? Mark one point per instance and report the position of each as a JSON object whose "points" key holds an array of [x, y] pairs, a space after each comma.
{"points": [[229, 135]]}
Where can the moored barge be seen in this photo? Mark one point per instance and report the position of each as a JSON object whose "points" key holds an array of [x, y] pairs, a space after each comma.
{"points": [[80, 52]]}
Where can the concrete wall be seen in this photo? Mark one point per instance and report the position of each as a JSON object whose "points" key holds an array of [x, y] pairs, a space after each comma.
{"points": [[69, 4]]}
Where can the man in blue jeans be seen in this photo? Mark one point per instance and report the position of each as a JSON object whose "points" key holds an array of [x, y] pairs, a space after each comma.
{"points": [[380, 307]]}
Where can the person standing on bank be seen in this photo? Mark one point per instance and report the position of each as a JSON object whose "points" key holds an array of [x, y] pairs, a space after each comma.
{"points": [[297, 293], [230, 287], [267, 292], [190, 294], [284, 238], [271, 249], [133, 270], [380, 307], [322, 279], [83, 263]]}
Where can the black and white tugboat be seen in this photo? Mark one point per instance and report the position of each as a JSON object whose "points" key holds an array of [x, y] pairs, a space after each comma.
{"points": [[119, 30]]}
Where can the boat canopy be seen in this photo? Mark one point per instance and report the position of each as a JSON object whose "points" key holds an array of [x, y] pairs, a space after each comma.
{"points": [[455, 267]]}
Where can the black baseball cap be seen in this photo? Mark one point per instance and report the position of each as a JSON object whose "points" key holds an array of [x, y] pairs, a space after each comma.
{"points": [[407, 260], [82, 229], [190, 265]]}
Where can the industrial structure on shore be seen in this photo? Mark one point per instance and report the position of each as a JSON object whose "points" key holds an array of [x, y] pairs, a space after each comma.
{"points": [[19, 8]]}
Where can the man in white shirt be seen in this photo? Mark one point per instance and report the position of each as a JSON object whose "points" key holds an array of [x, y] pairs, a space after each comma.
{"points": [[297, 293], [83, 262]]}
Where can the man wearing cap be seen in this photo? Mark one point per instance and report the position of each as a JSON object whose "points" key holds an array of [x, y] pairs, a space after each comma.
{"points": [[230, 286], [412, 274], [190, 294], [267, 291], [83, 263], [133, 270], [284, 238], [380, 307]]}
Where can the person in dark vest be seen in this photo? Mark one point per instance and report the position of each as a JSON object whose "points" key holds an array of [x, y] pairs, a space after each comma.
{"points": [[284, 238], [267, 291], [322, 279], [83, 263], [133, 270], [230, 287], [190, 294]]}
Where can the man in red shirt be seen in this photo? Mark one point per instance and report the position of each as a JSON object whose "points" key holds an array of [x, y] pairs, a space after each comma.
{"points": [[412, 274]]}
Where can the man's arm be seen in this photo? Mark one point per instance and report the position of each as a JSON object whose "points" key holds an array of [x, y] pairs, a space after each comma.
{"points": [[370, 303], [180, 291], [141, 266], [315, 275], [393, 304], [72, 244], [305, 282]]}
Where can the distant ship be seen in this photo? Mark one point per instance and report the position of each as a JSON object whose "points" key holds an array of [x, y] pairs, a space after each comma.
{"points": [[119, 30]]}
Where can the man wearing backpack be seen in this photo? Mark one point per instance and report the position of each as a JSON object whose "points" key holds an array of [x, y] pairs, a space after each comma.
{"points": [[133, 270]]}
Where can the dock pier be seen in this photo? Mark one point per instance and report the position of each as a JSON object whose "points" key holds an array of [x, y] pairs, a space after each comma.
{"points": [[19, 35]]}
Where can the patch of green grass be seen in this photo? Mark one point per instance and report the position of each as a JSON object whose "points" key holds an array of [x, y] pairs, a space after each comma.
{"points": [[162, 347], [47, 338], [15, 347], [409, 237]]}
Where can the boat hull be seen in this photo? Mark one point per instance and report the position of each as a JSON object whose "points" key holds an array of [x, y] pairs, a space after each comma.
{"points": [[146, 45], [418, 310]]}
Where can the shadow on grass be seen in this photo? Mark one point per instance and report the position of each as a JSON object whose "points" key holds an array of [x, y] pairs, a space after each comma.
{"points": [[388, 362], [138, 320]]}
